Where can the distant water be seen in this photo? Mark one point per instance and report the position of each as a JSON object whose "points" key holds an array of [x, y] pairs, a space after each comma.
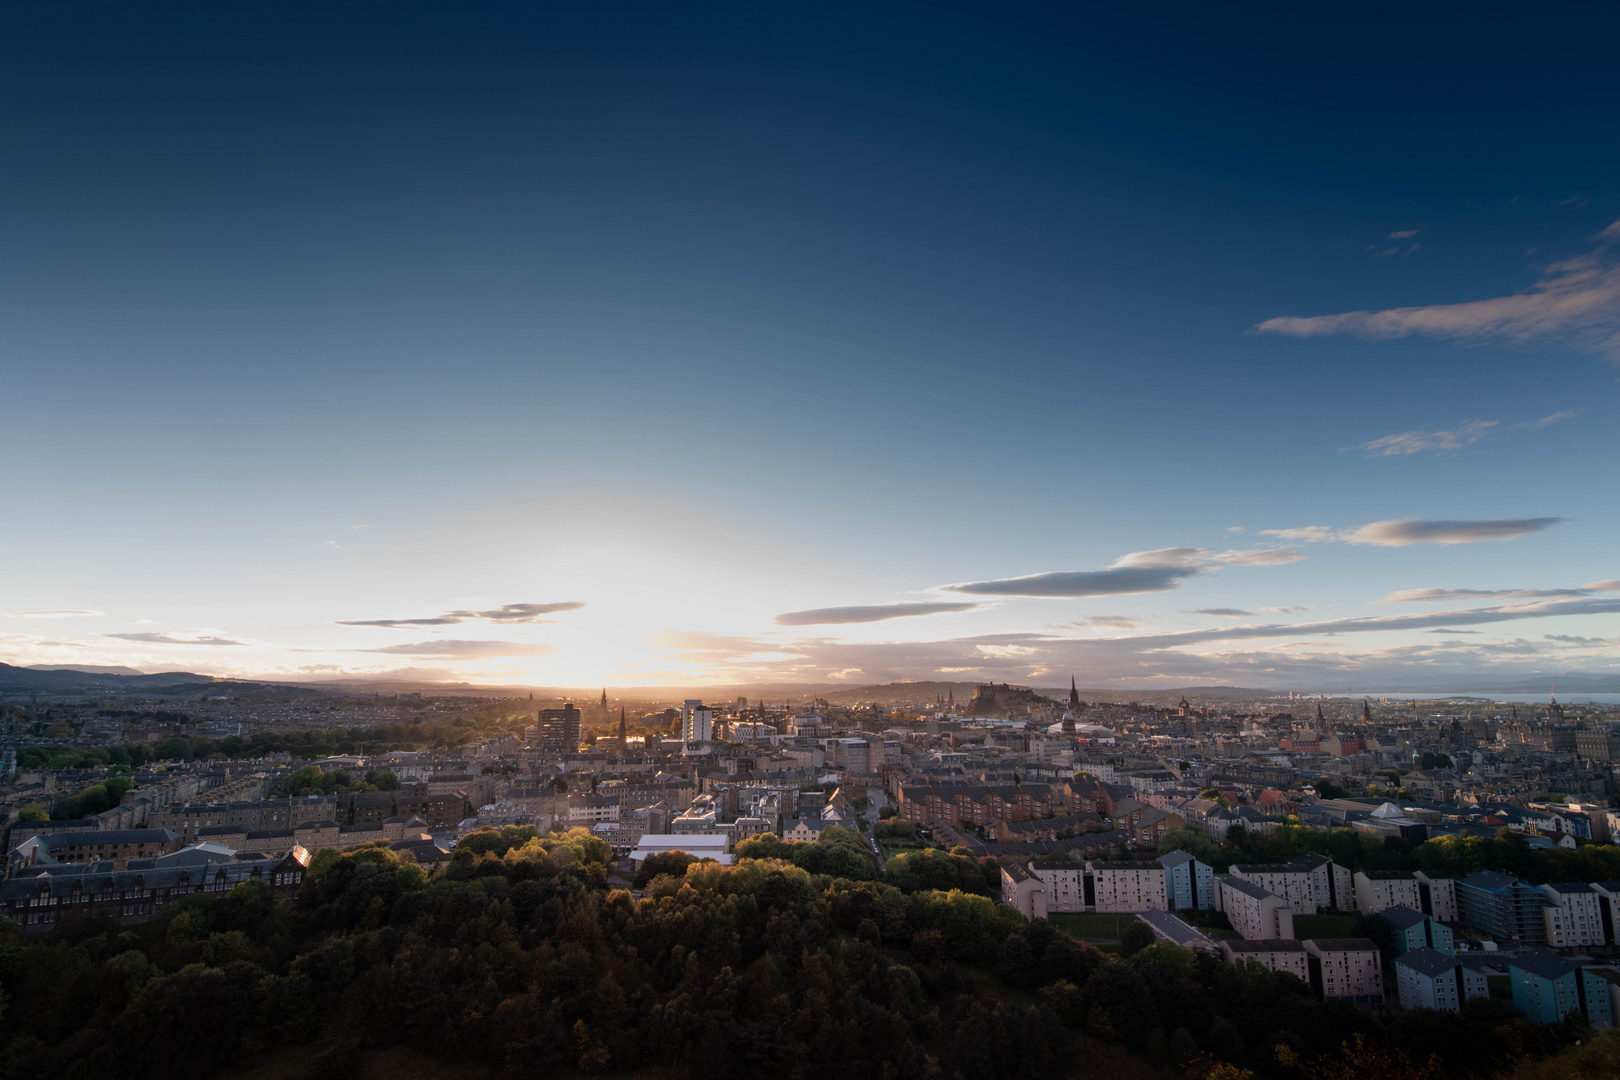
{"points": [[1574, 698]]}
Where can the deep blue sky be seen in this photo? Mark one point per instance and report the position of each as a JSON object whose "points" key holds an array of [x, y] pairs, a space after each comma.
{"points": [[701, 314]]}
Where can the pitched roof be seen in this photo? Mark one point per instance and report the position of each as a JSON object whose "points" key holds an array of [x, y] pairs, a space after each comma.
{"points": [[1427, 961], [1403, 917], [1543, 963]]}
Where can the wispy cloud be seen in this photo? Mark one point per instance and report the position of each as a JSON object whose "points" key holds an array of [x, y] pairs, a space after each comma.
{"points": [[176, 639], [1434, 596], [452, 649], [1464, 434], [1403, 234], [1291, 653], [868, 614], [1115, 622], [518, 613], [1576, 300], [507, 614], [1403, 532], [1224, 612], [1138, 572], [53, 613], [1411, 442], [1442, 630]]}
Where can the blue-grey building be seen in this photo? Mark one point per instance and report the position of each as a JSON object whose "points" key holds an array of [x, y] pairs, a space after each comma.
{"points": [[1415, 930], [1548, 987], [1503, 906], [1188, 883], [1430, 979]]}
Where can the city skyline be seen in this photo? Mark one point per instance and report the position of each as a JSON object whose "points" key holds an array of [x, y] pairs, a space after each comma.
{"points": [[835, 346]]}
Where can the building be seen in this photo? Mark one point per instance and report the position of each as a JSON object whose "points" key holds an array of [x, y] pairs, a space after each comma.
{"points": [[703, 845], [1290, 881], [1257, 914], [1415, 930], [1548, 987], [1273, 954], [41, 902], [1437, 896], [1573, 915], [558, 730], [1429, 978], [1380, 889], [1346, 969], [1023, 891], [1328, 885], [1128, 886], [1171, 930], [1508, 909], [115, 846], [697, 722], [1189, 884], [1065, 884]]}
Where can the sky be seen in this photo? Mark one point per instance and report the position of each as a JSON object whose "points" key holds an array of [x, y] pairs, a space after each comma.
{"points": [[747, 345]]}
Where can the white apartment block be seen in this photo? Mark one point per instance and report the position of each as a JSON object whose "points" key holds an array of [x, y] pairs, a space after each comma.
{"points": [[1292, 882], [1328, 885], [1441, 899], [1573, 915], [1254, 912], [1346, 969], [1430, 979], [1383, 889], [1274, 954], [1128, 886], [1065, 884]]}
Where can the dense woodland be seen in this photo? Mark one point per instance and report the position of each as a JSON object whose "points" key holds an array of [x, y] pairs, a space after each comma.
{"points": [[520, 955]]}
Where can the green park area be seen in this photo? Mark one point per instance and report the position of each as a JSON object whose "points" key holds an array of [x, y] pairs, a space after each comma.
{"points": [[1093, 926], [1323, 926]]}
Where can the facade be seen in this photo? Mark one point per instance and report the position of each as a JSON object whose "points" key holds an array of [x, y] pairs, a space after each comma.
{"points": [[1415, 930], [1023, 891], [1502, 906], [1382, 889], [1273, 954], [1255, 913], [116, 846], [1189, 884], [1547, 988], [558, 730], [1128, 886], [189, 819], [697, 722], [1291, 882], [1346, 969], [1328, 885], [1065, 884], [1573, 916], [44, 902], [1432, 979], [1437, 896]]}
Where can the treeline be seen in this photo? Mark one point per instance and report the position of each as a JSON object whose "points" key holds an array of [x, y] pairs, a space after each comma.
{"points": [[1508, 852], [519, 955]]}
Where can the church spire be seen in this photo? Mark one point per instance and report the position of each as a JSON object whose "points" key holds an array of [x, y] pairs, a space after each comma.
{"points": [[1074, 694]]}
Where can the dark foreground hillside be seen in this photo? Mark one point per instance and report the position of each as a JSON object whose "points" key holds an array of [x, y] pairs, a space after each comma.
{"points": [[518, 959]]}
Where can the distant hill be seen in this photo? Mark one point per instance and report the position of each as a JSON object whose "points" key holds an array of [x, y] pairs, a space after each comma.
{"points": [[69, 679], [87, 669]]}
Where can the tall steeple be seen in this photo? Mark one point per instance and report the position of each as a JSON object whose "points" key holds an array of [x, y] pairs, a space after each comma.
{"points": [[1319, 718], [1074, 694], [623, 742], [1366, 712]]}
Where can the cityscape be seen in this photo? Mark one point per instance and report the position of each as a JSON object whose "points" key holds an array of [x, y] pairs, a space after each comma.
{"points": [[922, 541]]}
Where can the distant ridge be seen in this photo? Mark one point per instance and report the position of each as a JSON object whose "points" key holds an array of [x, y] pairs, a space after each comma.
{"points": [[22, 678], [87, 669]]}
